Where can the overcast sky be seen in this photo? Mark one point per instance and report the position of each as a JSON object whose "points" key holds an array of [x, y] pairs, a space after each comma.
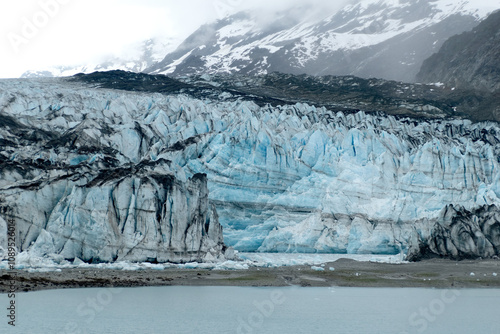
{"points": [[41, 33]]}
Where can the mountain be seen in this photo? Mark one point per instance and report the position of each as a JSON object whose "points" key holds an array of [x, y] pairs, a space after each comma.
{"points": [[369, 38], [468, 60], [125, 166], [136, 58]]}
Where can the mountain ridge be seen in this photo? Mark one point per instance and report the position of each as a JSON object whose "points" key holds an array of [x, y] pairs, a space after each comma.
{"points": [[336, 93], [368, 38], [468, 60], [383, 39], [137, 58]]}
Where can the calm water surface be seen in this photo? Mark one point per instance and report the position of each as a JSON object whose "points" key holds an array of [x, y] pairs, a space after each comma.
{"points": [[255, 310]]}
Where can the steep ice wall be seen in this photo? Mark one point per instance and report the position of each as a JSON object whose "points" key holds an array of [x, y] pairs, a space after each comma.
{"points": [[289, 178], [72, 186], [138, 216]]}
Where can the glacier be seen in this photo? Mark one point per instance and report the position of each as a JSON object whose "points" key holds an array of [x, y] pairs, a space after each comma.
{"points": [[108, 175]]}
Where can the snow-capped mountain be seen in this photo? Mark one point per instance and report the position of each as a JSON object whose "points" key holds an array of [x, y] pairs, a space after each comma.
{"points": [[103, 174], [136, 58], [369, 38]]}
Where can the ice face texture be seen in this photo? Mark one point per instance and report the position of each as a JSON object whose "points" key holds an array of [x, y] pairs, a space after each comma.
{"points": [[141, 216], [105, 175]]}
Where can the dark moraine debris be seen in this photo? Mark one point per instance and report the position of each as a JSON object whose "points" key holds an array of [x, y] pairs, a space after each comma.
{"points": [[461, 234]]}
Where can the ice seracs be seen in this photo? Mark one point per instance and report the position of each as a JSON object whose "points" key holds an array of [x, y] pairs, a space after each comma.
{"points": [[112, 175]]}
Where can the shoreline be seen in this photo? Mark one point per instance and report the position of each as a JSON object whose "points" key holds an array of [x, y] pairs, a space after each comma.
{"points": [[434, 273]]}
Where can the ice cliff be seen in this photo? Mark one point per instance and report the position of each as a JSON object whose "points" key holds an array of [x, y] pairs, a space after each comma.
{"points": [[103, 174], [141, 216], [72, 194]]}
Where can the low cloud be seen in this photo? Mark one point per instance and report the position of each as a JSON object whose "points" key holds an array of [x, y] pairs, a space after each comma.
{"points": [[317, 8], [270, 14], [84, 31]]}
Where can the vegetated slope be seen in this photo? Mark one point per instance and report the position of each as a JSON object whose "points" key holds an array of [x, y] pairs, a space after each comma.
{"points": [[348, 93]]}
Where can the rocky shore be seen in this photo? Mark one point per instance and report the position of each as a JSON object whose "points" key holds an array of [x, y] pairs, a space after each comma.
{"points": [[434, 273]]}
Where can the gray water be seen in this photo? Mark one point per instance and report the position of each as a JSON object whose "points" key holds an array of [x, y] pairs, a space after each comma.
{"points": [[254, 310]]}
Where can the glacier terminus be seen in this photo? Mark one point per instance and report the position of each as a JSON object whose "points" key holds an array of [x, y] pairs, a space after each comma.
{"points": [[104, 174]]}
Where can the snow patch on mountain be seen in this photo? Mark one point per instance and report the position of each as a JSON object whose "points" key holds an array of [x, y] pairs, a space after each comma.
{"points": [[349, 41], [478, 8]]}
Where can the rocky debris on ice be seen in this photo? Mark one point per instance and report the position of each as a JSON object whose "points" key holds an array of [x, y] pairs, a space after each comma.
{"points": [[459, 233]]}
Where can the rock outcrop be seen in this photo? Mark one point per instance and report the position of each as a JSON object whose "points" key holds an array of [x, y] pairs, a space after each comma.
{"points": [[459, 233], [470, 60], [369, 39]]}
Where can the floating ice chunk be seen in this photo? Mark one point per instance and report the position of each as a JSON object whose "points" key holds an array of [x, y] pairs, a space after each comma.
{"points": [[317, 268], [331, 269], [43, 270], [191, 265], [232, 265], [472, 274], [209, 257], [494, 274], [291, 259]]}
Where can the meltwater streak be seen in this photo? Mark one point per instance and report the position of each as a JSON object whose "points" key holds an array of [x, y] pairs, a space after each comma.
{"points": [[257, 310]]}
